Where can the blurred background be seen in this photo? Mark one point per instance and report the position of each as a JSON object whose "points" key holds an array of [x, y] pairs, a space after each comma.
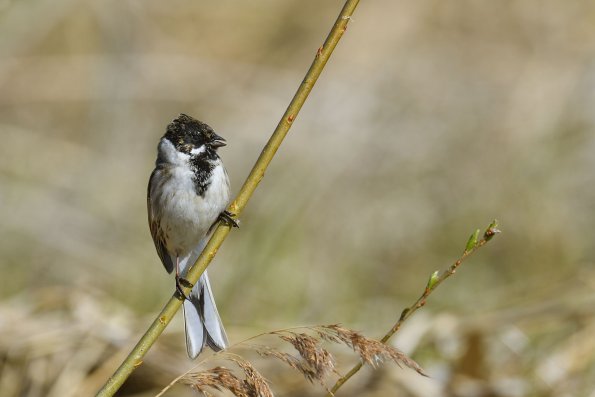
{"points": [[431, 119]]}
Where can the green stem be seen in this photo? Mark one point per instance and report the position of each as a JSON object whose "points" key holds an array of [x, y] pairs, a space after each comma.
{"points": [[135, 358], [421, 301]]}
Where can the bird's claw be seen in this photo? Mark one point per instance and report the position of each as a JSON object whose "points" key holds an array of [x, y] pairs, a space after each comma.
{"points": [[182, 283], [228, 218]]}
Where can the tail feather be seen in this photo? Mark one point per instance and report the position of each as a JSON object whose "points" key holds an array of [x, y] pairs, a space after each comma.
{"points": [[216, 336], [202, 322], [195, 333]]}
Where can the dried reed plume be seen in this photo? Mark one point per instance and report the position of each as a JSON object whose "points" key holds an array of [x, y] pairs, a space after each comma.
{"points": [[220, 378], [371, 351], [312, 360]]}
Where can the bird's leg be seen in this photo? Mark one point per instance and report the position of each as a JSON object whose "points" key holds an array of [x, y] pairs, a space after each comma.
{"points": [[180, 281], [228, 218]]}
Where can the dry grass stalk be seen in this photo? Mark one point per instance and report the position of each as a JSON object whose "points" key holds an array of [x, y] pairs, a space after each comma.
{"points": [[220, 378], [315, 362], [371, 351]]}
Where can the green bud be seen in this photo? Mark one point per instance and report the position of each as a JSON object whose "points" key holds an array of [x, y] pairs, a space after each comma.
{"points": [[472, 242], [491, 231], [404, 313], [433, 280]]}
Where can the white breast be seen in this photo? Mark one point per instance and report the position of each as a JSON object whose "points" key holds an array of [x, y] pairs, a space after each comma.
{"points": [[185, 217]]}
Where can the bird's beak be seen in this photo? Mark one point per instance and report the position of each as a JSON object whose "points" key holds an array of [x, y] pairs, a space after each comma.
{"points": [[218, 141]]}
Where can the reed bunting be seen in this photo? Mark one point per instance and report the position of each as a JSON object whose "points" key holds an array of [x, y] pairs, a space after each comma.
{"points": [[187, 195]]}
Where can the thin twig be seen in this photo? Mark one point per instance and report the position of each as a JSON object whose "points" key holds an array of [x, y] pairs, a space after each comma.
{"points": [[135, 358], [435, 280]]}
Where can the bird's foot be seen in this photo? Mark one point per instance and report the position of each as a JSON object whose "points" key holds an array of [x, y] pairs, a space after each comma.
{"points": [[182, 283], [228, 218]]}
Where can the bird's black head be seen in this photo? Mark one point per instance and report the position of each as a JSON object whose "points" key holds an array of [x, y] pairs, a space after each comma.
{"points": [[192, 137]]}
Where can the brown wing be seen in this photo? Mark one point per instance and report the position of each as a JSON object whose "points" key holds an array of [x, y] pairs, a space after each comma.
{"points": [[156, 232]]}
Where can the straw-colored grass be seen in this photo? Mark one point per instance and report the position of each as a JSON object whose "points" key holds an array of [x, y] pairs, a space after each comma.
{"points": [[432, 117]]}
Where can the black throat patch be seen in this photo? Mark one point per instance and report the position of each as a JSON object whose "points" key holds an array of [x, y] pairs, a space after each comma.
{"points": [[202, 166]]}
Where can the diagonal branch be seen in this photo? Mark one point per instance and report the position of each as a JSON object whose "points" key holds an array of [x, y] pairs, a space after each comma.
{"points": [[135, 358]]}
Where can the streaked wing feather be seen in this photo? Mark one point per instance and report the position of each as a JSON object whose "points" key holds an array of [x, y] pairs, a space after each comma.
{"points": [[156, 231]]}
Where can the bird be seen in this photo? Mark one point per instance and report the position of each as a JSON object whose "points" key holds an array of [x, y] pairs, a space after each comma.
{"points": [[187, 196]]}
